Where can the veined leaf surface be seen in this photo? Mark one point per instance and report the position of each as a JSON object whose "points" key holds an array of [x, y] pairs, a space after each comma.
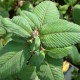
{"points": [[46, 12], [51, 70], [31, 18], [22, 22], [60, 33], [59, 52], [14, 28], [12, 58]]}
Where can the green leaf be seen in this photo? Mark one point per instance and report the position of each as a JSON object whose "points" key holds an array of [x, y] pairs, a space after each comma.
{"points": [[37, 42], [60, 33], [75, 14], [3, 12], [12, 58], [2, 31], [8, 78], [31, 18], [77, 77], [58, 52], [22, 22], [74, 55], [51, 70], [44, 72], [70, 2], [18, 39], [28, 73], [27, 6], [36, 78], [63, 9], [37, 58], [1, 45], [46, 12], [14, 28], [7, 5]]}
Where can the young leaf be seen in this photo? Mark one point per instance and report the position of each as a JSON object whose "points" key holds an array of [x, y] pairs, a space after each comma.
{"points": [[14, 28], [12, 58], [75, 13], [60, 33], [46, 12]]}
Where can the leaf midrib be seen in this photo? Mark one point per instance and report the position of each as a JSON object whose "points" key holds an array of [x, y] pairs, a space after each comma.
{"points": [[45, 14], [56, 33], [15, 54]]}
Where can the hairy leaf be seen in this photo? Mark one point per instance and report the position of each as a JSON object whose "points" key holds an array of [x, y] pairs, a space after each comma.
{"points": [[22, 22], [14, 28], [60, 33], [50, 70], [12, 58], [18, 39], [31, 18], [56, 67], [58, 52], [46, 12]]}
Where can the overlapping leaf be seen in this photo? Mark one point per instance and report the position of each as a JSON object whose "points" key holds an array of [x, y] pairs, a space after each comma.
{"points": [[46, 12], [2, 31], [37, 58], [12, 58], [22, 22], [70, 2], [1, 45], [75, 13], [59, 52], [50, 70], [60, 33], [3, 12], [74, 55], [28, 73], [18, 39], [31, 18], [14, 28]]}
